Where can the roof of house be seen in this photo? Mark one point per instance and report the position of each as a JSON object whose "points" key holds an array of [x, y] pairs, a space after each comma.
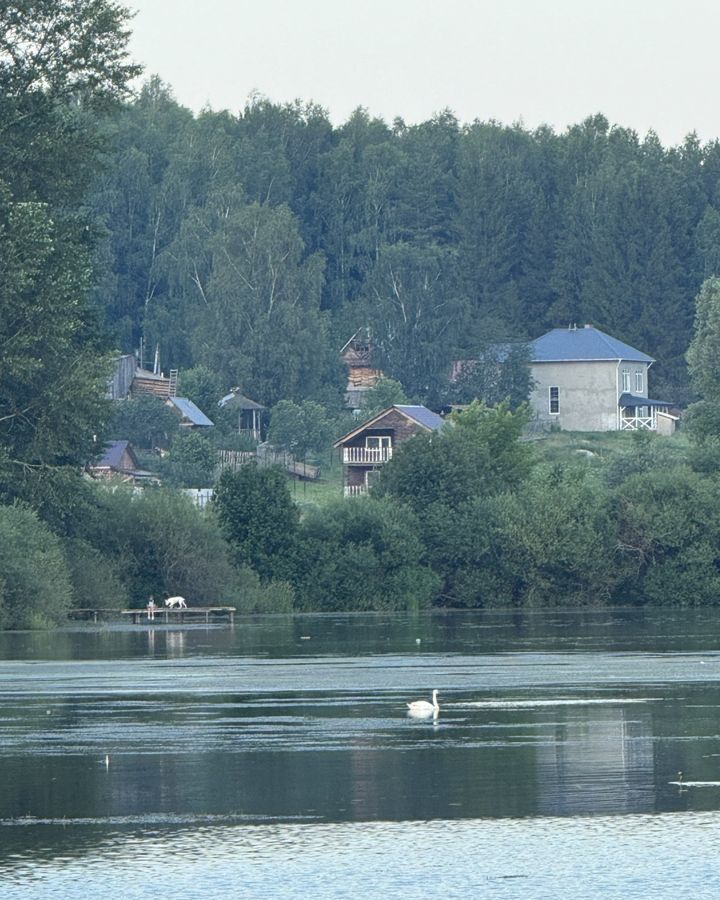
{"points": [[631, 401], [235, 398], [189, 411], [587, 344], [423, 416], [113, 455]]}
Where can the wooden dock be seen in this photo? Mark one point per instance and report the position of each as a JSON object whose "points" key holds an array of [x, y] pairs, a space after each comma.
{"points": [[165, 615]]}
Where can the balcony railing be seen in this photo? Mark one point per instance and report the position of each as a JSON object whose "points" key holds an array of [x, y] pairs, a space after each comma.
{"points": [[366, 456], [637, 423], [355, 490]]}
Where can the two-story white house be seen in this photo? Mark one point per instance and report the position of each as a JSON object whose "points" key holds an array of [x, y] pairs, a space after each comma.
{"points": [[585, 380]]}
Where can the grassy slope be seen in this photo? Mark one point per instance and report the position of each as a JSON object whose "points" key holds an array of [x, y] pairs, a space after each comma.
{"points": [[573, 447], [562, 447]]}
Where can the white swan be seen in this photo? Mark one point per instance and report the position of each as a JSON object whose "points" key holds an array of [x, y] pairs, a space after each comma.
{"points": [[422, 708]]}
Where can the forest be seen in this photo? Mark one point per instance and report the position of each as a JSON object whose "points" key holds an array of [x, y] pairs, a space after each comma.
{"points": [[246, 248], [256, 243]]}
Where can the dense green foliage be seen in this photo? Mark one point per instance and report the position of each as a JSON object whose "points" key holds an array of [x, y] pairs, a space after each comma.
{"points": [[259, 518], [300, 428], [257, 243], [376, 541], [146, 421], [61, 66], [35, 588]]}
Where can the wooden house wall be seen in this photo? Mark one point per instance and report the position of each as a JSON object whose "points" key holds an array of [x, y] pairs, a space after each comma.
{"points": [[393, 424], [122, 379]]}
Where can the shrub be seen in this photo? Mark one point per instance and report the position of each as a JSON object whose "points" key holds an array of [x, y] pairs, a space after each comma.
{"points": [[36, 588]]}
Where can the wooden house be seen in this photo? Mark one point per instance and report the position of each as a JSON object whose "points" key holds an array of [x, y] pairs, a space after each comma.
{"points": [[155, 383], [365, 449], [357, 356], [119, 461]]}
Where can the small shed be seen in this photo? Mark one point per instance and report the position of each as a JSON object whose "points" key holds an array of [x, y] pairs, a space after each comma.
{"points": [[120, 461], [249, 413]]}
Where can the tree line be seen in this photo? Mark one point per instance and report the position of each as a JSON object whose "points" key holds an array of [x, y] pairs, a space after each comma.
{"points": [[257, 242]]}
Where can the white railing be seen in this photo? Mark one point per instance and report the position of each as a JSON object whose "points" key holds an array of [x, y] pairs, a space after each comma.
{"points": [[636, 423], [355, 490], [367, 456]]}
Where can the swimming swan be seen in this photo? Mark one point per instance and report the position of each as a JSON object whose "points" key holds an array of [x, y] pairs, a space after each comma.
{"points": [[423, 708]]}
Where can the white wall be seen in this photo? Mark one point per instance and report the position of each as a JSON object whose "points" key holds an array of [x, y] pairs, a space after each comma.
{"points": [[588, 393]]}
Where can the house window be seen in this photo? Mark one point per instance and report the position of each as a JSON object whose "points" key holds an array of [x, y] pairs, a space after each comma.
{"points": [[377, 443], [626, 381], [554, 400], [638, 381]]}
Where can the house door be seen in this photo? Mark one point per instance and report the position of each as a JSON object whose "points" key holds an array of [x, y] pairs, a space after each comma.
{"points": [[378, 448]]}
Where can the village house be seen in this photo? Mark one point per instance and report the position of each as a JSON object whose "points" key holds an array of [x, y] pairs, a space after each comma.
{"points": [[119, 461], [365, 449], [586, 380], [362, 376]]}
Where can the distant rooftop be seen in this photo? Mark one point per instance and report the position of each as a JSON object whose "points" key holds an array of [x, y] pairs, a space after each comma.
{"points": [[235, 398], [113, 455], [586, 344], [189, 411], [423, 416]]}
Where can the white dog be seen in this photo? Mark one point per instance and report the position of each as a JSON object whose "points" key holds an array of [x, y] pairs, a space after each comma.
{"points": [[176, 602]]}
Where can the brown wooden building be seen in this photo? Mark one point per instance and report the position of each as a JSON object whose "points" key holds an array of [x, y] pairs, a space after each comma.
{"points": [[365, 449], [357, 356]]}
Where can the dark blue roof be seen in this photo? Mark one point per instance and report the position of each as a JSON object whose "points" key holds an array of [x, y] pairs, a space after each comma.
{"points": [[632, 401], [112, 457], [190, 411], [423, 416], [583, 344]]}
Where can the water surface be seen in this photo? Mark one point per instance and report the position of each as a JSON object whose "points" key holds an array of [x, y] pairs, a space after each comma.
{"points": [[278, 756]]}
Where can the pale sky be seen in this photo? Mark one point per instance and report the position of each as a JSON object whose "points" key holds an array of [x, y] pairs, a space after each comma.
{"points": [[643, 63]]}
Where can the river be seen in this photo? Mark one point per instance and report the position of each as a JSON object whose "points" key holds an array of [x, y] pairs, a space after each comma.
{"points": [[277, 759]]}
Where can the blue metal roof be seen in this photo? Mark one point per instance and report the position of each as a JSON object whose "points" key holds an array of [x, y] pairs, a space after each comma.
{"points": [[423, 416], [583, 344], [190, 411]]}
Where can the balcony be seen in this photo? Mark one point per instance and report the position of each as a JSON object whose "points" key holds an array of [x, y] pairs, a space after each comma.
{"points": [[366, 456]]}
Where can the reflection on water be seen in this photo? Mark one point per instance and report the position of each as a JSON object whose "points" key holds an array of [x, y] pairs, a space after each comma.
{"points": [[293, 732]]}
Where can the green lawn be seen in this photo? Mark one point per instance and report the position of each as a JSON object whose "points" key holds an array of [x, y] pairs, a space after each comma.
{"points": [[327, 488], [590, 446]]}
